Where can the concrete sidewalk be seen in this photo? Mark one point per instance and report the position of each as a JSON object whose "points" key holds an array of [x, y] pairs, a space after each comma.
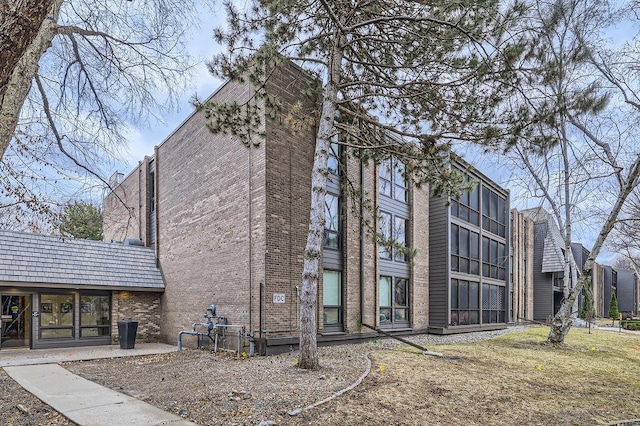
{"points": [[85, 402], [10, 357]]}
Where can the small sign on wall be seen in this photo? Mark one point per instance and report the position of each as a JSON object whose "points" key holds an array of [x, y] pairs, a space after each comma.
{"points": [[278, 298]]}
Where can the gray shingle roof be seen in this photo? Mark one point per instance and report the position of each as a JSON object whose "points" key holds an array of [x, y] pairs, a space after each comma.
{"points": [[553, 249], [42, 259]]}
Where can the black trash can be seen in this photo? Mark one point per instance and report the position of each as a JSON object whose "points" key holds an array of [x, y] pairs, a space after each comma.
{"points": [[127, 330]]}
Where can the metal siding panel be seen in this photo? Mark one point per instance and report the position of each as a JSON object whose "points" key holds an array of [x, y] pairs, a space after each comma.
{"points": [[438, 263]]}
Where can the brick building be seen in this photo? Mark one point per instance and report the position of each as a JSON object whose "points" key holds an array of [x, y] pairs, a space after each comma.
{"points": [[62, 292], [229, 224]]}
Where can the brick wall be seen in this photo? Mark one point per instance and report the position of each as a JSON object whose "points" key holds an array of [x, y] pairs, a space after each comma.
{"points": [[289, 161], [211, 213], [143, 307], [126, 208]]}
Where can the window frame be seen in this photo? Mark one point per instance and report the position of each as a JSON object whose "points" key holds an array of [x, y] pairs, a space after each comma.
{"points": [[392, 180], [394, 314], [329, 231]]}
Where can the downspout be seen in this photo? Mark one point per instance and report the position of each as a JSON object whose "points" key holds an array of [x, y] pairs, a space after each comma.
{"points": [[156, 188], [362, 235], [140, 201], [250, 242]]}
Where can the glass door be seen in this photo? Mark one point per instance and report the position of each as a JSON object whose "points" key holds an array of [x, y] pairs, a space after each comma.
{"points": [[15, 321]]}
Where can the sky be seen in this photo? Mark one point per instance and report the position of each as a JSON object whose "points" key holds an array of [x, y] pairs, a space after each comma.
{"points": [[202, 47]]}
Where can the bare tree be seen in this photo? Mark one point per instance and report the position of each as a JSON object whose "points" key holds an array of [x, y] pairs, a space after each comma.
{"points": [[576, 122], [399, 78], [91, 70]]}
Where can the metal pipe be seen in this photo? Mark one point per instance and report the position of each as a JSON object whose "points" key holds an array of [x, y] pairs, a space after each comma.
{"points": [[193, 333]]}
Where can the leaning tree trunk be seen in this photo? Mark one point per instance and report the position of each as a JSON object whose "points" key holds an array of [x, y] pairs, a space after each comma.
{"points": [[15, 88], [20, 21], [308, 299], [563, 320]]}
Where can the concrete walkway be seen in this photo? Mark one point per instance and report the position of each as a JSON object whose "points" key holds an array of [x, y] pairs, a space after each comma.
{"points": [[80, 400], [85, 402], [81, 353]]}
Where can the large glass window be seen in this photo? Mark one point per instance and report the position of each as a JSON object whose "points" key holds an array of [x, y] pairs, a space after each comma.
{"points": [[392, 180], [56, 316], [332, 297], [493, 212], [465, 250], [467, 207], [394, 237], [332, 222], [95, 315], [465, 302], [494, 259], [394, 301], [493, 304]]}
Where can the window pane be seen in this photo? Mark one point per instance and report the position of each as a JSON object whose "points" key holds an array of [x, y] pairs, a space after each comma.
{"points": [[464, 242], [501, 299], [454, 208], [402, 290], [94, 310], [474, 267], [385, 315], [400, 194], [501, 210], [474, 245], [464, 213], [454, 239], [464, 294], [454, 294], [485, 296], [454, 318], [463, 265], [474, 217], [494, 206], [56, 310], [454, 263], [60, 333], [485, 249], [385, 291], [95, 331], [331, 288], [332, 162], [384, 171], [331, 211], [493, 253], [474, 317], [400, 235], [486, 201], [398, 174], [474, 198], [401, 315], [494, 297], [385, 233], [463, 318], [331, 240], [331, 316], [473, 295], [501, 252]]}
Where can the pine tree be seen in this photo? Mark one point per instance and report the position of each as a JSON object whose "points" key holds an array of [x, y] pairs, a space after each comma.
{"points": [[613, 307]]}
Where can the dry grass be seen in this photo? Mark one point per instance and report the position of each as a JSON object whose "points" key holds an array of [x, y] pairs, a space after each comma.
{"points": [[513, 379]]}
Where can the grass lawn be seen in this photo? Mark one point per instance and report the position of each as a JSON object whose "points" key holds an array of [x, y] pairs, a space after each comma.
{"points": [[512, 380]]}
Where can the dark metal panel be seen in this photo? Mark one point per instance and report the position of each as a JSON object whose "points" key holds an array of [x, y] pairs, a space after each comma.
{"points": [[332, 259], [438, 262], [542, 282]]}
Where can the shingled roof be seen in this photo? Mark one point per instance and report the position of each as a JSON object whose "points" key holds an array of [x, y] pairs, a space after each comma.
{"points": [[553, 249], [48, 261]]}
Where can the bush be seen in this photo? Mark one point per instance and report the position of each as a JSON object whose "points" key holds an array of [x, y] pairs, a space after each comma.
{"points": [[631, 325]]}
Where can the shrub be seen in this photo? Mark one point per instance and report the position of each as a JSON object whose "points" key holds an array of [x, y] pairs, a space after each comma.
{"points": [[631, 325]]}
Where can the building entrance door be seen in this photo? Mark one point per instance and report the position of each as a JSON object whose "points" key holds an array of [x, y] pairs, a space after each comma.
{"points": [[15, 321]]}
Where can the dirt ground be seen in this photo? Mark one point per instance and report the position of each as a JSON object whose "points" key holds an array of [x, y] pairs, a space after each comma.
{"points": [[514, 379]]}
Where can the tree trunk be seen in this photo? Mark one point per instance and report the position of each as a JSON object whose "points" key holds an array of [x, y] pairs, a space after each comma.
{"points": [[308, 299], [562, 321], [34, 40], [20, 21]]}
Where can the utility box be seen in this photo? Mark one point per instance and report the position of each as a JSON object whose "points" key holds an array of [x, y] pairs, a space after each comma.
{"points": [[127, 330]]}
